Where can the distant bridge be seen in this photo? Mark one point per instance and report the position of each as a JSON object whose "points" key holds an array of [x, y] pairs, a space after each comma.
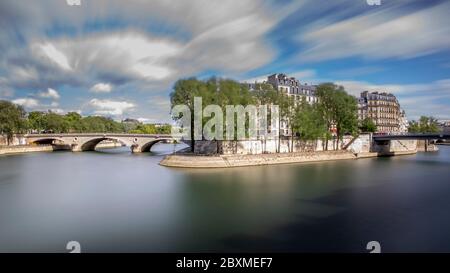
{"points": [[87, 141], [418, 136]]}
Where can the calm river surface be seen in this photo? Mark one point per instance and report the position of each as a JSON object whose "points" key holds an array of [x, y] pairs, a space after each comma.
{"points": [[115, 201]]}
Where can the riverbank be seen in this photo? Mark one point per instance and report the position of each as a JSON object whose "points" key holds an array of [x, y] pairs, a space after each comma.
{"points": [[228, 161], [19, 149]]}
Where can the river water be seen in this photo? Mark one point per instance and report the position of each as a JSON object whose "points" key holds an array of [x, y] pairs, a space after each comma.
{"points": [[115, 201]]}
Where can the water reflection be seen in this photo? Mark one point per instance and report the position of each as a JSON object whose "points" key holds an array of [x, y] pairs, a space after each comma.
{"points": [[116, 201]]}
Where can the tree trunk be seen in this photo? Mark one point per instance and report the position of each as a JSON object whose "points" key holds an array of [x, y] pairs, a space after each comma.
{"points": [[279, 134], [192, 134], [292, 141], [9, 138], [337, 142]]}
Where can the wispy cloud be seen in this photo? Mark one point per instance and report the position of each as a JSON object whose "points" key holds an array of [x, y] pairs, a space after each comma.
{"points": [[101, 88], [50, 93], [386, 34], [27, 102], [111, 107], [136, 50]]}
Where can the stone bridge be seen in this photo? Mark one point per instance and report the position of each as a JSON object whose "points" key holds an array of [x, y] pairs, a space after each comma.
{"points": [[86, 141]]}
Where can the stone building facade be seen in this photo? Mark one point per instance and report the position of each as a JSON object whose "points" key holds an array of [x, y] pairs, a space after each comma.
{"points": [[384, 109], [293, 88]]}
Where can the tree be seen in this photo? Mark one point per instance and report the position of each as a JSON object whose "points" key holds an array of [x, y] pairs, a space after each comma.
{"points": [[338, 108], [264, 93], [12, 119], [287, 115], [367, 125], [164, 129], [73, 120], [144, 129], [221, 92], [183, 93], [36, 121], [424, 125], [309, 123], [97, 124], [55, 123]]}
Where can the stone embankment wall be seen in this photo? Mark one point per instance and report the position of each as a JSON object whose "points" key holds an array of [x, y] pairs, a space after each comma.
{"points": [[363, 145], [251, 153], [227, 161], [24, 149], [359, 145], [245, 147], [16, 140], [424, 146]]}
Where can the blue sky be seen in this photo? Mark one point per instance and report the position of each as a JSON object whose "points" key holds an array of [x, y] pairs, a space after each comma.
{"points": [[121, 58]]}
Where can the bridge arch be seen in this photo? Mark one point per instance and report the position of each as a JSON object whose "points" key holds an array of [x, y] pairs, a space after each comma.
{"points": [[90, 144], [46, 140], [147, 146]]}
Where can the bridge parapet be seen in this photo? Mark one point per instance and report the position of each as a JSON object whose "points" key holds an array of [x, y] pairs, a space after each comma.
{"points": [[88, 141]]}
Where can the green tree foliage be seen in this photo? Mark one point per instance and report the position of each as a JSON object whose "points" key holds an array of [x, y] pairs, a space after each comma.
{"points": [[264, 93], [309, 123], [73, 120], [368, 126], [12, 119], [338, 108], [164, 129], [220, 92], [424, 125], [184, 92], [151, 129], [98, 124], [36, 121], [55, 123]]}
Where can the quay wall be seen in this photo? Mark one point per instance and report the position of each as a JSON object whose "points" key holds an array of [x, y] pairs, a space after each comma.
{"points": [[247, 147], [24, 149], [424, 146], [360, 144], [227, 161], [211, 154]]}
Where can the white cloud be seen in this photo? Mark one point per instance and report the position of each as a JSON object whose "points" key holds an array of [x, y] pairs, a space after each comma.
{"points": [[55, 55], [27, 102], [57, 111], [101, 88], [301, 75], [157, 109], [143, 120], [50, 94], [129, 54], [383, 34], [226, 36], [111, 107]]}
